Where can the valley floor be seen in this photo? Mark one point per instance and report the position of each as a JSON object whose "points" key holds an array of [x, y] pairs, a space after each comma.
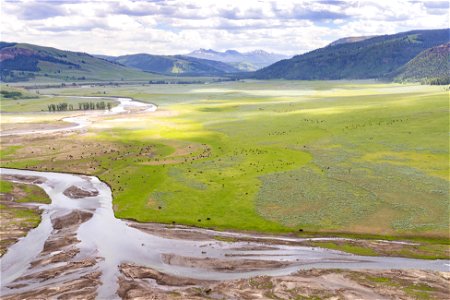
{"points": [[366, 161], [305, 158]]}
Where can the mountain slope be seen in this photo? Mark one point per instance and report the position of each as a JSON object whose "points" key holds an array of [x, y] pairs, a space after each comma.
{"points": [[372, 58], [21, 62], [177, 64], [247, 61], [430, 65], [351, 39]]}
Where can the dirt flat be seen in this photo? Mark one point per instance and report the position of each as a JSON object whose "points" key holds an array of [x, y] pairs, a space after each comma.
{"points": [[311, 284], [222, 265], [78, 193], [24, 179], [17, 218], [84, 287], [75, 218], [13, 226], [57, 269], [11, 128], [133, 272], [167, 231]]}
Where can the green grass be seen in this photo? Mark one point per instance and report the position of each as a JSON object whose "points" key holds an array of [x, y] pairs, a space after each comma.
{"points": [[428, 249], [347, 248], [352, 158], [39, 103], [73, 67], [383, 280], [23, 217], [416, 290], [5, 186], [12, 93], [24, 193], [419, 291]]}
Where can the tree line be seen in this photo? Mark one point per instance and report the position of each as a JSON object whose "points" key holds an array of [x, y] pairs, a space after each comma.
{"points": [[81, 106]]}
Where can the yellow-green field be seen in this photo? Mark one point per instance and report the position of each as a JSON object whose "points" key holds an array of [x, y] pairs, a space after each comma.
{"points": [[352, 158]]}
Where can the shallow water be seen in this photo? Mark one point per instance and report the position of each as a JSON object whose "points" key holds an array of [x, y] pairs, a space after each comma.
{"points": [[115, 242], [82, 121]]}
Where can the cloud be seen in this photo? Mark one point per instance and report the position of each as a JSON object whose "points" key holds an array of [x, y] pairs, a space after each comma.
{"points": [[334, 2], [318, 15], [436, 4], [133, 9], [180, 26], [437, 7], [85, 25], [38, 11], [236, 13]]}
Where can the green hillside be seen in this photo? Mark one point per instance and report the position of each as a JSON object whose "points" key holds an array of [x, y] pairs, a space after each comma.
{"points": [[24, 62], [351, 39], [177, 64], [371, 58], [430, 66]]}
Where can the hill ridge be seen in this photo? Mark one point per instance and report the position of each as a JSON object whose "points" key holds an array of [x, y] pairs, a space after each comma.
{"points": [[375, 57]]}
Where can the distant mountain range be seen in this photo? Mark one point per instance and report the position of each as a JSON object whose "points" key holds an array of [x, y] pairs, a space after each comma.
{"points": [[420, 55], [173, 65], [23, 62], [375, 57], [199, 62], [244, 61]]}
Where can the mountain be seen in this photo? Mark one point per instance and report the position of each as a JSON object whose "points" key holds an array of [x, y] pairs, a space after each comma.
{"points": [[246, 61], [176, 64], [22, 62], [351, 39], [375, 57], [431, 65]]}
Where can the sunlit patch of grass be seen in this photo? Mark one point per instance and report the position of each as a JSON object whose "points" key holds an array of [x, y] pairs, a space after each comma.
{"points": [[431, 162], [343, 157]]}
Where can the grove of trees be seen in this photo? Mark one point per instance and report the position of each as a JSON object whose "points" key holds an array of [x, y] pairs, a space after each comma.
{"points": [[81, 106]]}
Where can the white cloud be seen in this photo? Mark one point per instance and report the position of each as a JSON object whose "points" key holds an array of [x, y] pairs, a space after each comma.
{"points": [[180, 26]]}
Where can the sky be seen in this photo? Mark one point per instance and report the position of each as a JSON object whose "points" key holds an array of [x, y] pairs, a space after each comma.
{"points": [[181, 26]]}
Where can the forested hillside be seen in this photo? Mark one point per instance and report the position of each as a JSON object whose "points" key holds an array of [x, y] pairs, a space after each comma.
{"points": [[376, 57]]}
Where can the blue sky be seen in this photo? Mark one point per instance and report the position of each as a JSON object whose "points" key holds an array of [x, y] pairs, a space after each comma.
{"points": [[180, 26]]}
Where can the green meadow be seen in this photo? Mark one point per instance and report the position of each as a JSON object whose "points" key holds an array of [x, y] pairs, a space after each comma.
{"points": [[346, 158], [27, 101]]}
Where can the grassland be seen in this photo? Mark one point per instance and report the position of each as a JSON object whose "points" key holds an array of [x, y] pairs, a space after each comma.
{"points": [[34, 102], [17, 218], [44, 64], [24, 193], [342, 158]]}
